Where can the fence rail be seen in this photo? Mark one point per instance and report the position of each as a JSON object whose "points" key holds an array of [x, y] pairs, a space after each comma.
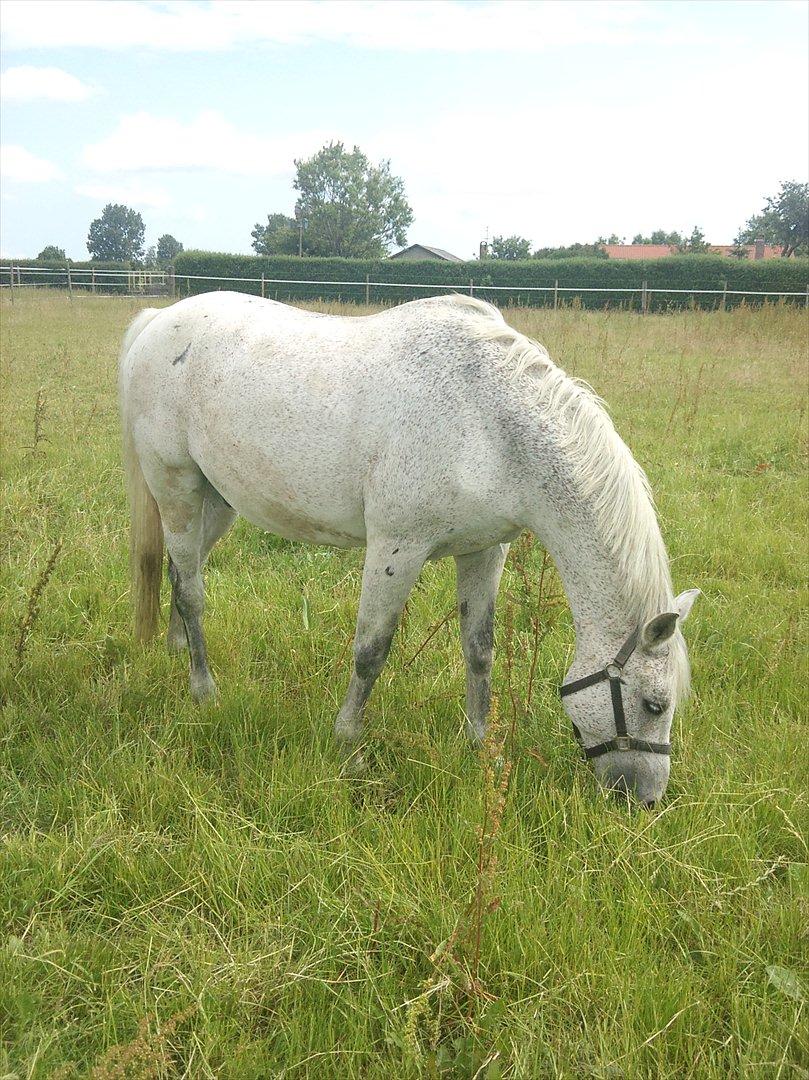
{"points": [[134, 282]]}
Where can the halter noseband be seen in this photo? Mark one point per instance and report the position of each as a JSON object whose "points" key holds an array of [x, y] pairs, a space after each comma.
{"points": [[623, 740]]}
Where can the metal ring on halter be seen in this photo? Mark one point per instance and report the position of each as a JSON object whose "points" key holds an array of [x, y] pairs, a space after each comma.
{"points": [[612, 672]]}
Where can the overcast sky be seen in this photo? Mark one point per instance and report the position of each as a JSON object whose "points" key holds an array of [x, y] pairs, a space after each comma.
{"points": [[559, 121]]}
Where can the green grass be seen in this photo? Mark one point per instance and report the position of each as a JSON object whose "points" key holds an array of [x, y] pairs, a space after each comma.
{"points": [[203, 891]]}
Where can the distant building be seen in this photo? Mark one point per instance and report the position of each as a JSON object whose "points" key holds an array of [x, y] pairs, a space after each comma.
{"points": [[758, 250], [424, 251], [639, 251]]}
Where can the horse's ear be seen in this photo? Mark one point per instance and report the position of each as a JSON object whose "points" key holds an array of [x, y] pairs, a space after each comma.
{"points": [[684, 603], [658, 630]]}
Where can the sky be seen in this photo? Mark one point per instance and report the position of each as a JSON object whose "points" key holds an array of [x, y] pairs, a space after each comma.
{"points": [[557, 121]]}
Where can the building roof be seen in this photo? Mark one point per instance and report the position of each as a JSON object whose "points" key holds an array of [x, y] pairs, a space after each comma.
{"points": [[771, 251], [660, 251], [432, 253], [639, 251]]}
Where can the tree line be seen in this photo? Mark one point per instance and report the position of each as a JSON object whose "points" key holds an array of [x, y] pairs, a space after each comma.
{"points": [[118, 235], [783, 222], [348, 207]]}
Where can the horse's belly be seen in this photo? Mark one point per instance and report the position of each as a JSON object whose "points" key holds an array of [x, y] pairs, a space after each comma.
{"points": [[297, 507], [293, 523]]}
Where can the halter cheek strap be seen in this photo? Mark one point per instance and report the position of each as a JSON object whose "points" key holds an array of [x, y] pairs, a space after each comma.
{"points": [[623, 741]]}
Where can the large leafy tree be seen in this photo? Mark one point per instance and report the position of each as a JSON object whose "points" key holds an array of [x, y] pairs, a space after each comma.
{"points": [[168, 248], [784, 220], [348, 206], [117, 235], [280, 236], [51, 253], [510, 247]]}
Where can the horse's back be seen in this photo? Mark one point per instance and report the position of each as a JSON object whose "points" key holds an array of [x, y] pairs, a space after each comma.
{"points": [[302, 420]]}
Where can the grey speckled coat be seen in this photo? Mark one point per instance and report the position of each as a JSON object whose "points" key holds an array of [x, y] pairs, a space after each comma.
{"points": [[429, 430]]}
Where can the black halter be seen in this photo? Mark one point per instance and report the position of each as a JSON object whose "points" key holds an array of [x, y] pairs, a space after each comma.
{"points": [[623, 740]]}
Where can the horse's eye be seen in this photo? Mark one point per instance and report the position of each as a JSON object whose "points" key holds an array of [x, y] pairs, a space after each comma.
{"points": [[653, 707]]}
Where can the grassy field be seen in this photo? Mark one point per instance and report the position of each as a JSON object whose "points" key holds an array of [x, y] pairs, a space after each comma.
{"points": [[199, 893]]}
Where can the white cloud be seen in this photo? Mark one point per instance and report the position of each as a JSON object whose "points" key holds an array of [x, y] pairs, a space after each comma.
{"points": [[143, 142], [17, 163], [132, 194], [447, 25], [27, 83]]}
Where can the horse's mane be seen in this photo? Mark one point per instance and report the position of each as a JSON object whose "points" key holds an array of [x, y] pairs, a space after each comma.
{"points": [[603, 470]]}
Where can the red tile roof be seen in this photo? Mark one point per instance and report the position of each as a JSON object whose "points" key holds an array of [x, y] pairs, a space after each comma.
{"points": [[638, 251], [660, 251]]}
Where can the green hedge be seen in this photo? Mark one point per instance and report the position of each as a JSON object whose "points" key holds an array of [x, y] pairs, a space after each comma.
{"points": [[105, 283], [676, 272]]}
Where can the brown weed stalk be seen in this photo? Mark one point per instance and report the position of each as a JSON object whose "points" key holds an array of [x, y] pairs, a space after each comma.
{"points": [[39, 419], [456, 961], [28, 621], [143, 1058]]}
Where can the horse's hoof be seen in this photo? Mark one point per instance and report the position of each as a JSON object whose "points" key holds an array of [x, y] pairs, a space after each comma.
{"points": [[355, 765], [203, 688], [176, 645]]}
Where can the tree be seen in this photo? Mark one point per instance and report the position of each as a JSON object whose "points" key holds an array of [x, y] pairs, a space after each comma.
{"points": [[50, 253], [695, 244], [659, 236], [613, 238], [117, 235], [784, 220], [348, 206], [572, 251], [740, 249], [510, 247], [168, 248], [280, 236]]}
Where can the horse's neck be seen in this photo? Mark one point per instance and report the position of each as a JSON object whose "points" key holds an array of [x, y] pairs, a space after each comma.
{"points": [[591, 580], [605, 600]]}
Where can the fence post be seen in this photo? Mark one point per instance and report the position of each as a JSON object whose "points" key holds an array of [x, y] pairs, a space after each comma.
{"points": [[724, 295], [643, 297], [262, 285], [170, 281], [93, 278], [806, 305], [556, 294], [367, 288], [11, 283], [471, 287], [69, 284]]}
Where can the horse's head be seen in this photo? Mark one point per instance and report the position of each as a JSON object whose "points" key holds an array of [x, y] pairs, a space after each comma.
{"points": [[620, 696]]}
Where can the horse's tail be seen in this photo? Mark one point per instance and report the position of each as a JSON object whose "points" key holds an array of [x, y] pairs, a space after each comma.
{"points": [[146, 530]]}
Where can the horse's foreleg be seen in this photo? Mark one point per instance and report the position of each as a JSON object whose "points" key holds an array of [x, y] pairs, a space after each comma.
{"points": [[478, 582], [217, 518], [391, 569]]}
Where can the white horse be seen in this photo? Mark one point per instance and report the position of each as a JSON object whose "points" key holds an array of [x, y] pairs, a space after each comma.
{"points": [[428, 430]]}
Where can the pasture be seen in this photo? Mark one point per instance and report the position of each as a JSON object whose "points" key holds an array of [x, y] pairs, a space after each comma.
{"points": [[200, 893]]}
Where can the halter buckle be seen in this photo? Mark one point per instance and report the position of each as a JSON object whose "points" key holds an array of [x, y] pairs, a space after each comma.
{"points": [[613, 671], [623, 742]]}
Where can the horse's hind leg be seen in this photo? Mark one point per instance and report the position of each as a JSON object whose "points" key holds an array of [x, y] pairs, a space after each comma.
{"points": [[180, 492], [478, 582], [391, 568], [217, 518]]}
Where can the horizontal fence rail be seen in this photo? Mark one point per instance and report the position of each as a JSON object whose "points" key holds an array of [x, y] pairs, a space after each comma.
{"points": [[166, 282]]}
